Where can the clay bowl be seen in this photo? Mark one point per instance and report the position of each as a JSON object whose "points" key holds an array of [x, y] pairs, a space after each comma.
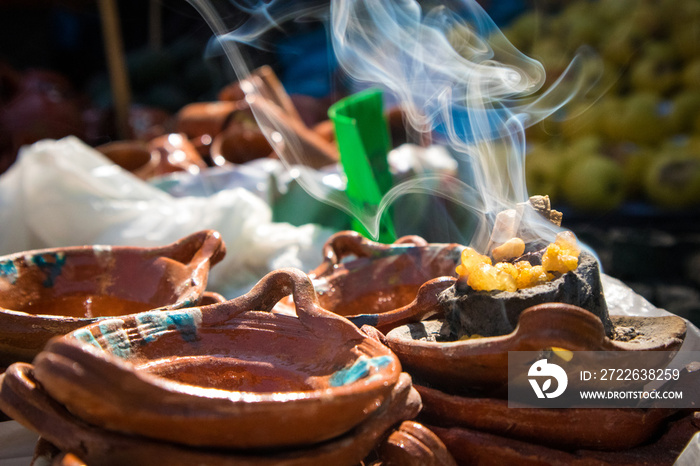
{"points": [[240, 142], [175, 153], [230, 375], [469, 446], [63, 434], [200, 118], [50, 292], [605, 429], [133, 156], [482, 363], [376, 284], [163, 154]]}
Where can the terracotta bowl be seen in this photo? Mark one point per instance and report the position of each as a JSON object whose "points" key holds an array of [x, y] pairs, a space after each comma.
{"points": [[238, 143], [376, 284], [133, 156], [50, 292], [175, 153], [228, 375], [199, 118], [482, 363], [469, 446], [597, 429], [63, 435]]}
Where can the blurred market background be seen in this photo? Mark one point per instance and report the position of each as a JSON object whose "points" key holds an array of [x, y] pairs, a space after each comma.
{"points": [[623, 164]]}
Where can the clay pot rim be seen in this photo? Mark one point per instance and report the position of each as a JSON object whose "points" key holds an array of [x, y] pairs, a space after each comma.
{"points": [[216, 253], [166, 385]]}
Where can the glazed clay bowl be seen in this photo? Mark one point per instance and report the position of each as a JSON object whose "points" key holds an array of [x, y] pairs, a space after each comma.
{"points": [[470, 446], [376, 284], [482, 363], [174, 153], [133, 156], [230, 375], [63, 435], [605, 429], [50, 292]]}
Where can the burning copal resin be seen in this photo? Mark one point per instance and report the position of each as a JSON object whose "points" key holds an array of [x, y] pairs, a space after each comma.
{"points": [[492, 291], [510, 274]]}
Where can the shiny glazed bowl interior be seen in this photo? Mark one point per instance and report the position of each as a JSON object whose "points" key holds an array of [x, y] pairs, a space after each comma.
{"points": [[373, 283]]}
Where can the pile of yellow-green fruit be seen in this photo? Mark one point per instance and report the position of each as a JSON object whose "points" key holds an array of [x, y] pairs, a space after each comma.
{"points": [[636, 136]]}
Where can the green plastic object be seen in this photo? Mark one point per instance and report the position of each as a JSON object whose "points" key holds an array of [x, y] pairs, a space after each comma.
{"points": [[362, 134]]}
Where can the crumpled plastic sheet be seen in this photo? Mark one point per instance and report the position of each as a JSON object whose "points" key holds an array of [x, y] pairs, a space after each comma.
{"points": [[65, 193]]}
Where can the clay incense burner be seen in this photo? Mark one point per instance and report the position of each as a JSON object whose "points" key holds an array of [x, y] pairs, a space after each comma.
{"points": [[481, 364], [376, 284], [229, 375], [50, 292]]}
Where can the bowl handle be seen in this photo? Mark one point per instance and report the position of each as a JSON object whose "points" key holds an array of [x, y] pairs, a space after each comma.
{"points": [[197, 249], [561, 325], [413, 444], [424, 305], [346, 243], [24, 400], [279, 284]]}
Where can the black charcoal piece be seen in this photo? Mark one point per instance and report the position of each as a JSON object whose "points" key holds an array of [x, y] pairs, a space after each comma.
{"points": [[491, 313]]}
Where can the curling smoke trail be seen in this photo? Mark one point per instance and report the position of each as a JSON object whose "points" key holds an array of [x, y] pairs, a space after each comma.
{"points": [[455, 75]]}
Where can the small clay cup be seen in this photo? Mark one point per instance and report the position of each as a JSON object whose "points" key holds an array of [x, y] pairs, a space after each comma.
{"points": [[50, 292], [229, 375], [378, 284]]}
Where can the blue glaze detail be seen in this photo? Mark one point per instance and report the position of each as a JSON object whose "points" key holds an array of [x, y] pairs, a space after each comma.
{"points": [[9, 269], [116, 339], [86, 336], [153, 324], [364, 319], [360, 369], [51, 268]]}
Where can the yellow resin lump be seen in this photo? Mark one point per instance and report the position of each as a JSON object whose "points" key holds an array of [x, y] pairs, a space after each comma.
{"points": [[562, 255], [482, 275]]}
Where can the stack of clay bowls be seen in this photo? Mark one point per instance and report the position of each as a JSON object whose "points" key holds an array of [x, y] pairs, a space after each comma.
{"points": [[227, 383]]}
